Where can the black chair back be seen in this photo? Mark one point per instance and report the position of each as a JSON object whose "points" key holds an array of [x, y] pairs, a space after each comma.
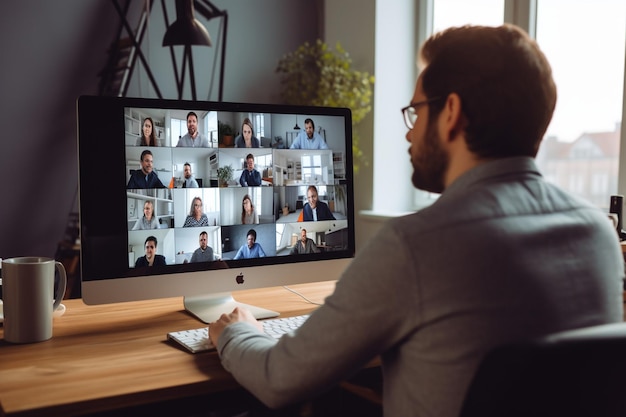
{"points": [[571, 374]]}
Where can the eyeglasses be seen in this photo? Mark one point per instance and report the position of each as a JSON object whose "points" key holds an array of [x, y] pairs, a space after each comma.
{"points": [[409, 112]]}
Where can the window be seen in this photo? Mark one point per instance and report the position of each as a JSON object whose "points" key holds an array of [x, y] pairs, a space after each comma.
{"points": [[581, 150], [585, 44], [311, 168], [448, 13], [259, 125], [179, 129]]}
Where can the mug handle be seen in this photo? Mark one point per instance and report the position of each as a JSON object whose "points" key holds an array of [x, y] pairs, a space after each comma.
{"points": [[60, 293]]}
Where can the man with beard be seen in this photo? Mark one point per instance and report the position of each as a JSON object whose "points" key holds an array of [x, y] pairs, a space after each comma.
{"points": [[189, 181], [193, 138], [501, 255], [145, 177], [204, 253]]}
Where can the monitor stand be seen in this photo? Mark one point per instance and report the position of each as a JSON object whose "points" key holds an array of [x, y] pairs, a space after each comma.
{"points": [[209, 307]]}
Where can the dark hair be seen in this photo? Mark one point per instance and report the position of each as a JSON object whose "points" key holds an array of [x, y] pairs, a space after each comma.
{"points": [[144, 153], [191, 114], [251, 232], [153, 141], [504, 81], [308, 120], [249, 156], [187, 164], [151, 238]]}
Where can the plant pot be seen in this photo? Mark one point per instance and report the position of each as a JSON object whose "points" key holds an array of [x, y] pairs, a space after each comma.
{"points": [[228, 140]]}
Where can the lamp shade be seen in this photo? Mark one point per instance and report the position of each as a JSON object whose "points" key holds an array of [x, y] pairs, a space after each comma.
{"points": [[186, 30]]}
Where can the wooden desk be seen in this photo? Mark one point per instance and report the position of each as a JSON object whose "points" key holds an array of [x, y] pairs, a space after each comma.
{"points": [[108, 357]]}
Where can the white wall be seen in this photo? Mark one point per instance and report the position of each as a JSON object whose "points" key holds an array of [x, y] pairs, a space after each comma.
{"points": [[353, 24]]}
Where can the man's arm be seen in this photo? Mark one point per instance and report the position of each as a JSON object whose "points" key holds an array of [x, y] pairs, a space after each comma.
{"points": [[132, 182], [296, 142], [242, 179], [283, 372], [322, 142]]}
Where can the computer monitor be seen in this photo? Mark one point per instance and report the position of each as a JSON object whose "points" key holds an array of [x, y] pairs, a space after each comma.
{"points": [[135, 200]]}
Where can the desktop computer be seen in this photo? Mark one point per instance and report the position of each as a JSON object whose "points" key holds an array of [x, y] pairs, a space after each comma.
{"points": [[146, 234]]}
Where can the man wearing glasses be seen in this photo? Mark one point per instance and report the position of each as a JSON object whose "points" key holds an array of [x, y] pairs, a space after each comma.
{"points": [[501, 256]]}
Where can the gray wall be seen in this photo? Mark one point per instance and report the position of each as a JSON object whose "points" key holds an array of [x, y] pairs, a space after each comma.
{"points": [[52, 53]]}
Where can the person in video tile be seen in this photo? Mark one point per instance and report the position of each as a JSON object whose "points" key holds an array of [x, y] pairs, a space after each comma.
{"points": [[251, 249], [304, 245], [193, 138], [145, 177], [250, 177], [246, 139], [147, 136], [248, 213], [196, 216], [315, 209], [204, 253], [309, 138], [147, 221], [189, 181], [150, 258]]}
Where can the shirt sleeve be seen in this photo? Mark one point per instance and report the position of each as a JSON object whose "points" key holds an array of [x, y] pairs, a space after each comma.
{"points": [[334, 342]]}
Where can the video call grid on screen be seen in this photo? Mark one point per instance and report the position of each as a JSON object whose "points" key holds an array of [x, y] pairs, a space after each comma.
{"points": [[288, 177]]}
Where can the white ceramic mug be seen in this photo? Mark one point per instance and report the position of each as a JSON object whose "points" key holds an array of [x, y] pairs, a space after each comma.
{"points": [[29, 298]]}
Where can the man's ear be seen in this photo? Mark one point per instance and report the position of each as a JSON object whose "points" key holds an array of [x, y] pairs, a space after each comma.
{"points": [[452, 121]]}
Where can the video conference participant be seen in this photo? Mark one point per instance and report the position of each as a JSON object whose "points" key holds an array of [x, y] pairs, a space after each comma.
{"points": [[189, 180], [502, 255], [304, 245], [248, 212], [145, 177], [250, 177], [251, 249], [204, 253], [150, 258], [147, 136], [193, 138], [308, 138], [246, 139], [147, 221], [315, 209], [196, 216]]}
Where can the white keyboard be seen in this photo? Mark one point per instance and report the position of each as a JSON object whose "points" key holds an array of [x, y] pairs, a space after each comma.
{"points": [[197, 340]]}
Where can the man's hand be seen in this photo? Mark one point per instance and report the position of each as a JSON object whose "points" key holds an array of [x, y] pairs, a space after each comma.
{"points": [[238, 314]]}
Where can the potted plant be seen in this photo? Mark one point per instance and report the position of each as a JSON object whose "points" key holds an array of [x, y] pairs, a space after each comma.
{"points": [[224, 175], [225, 133], [316, 75]]}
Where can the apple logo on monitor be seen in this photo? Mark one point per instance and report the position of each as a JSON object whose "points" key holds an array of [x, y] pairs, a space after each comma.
{"points": [[239, 278]]}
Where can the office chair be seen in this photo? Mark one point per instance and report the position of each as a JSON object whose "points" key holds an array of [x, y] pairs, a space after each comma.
{"points": [[572, 374]]}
